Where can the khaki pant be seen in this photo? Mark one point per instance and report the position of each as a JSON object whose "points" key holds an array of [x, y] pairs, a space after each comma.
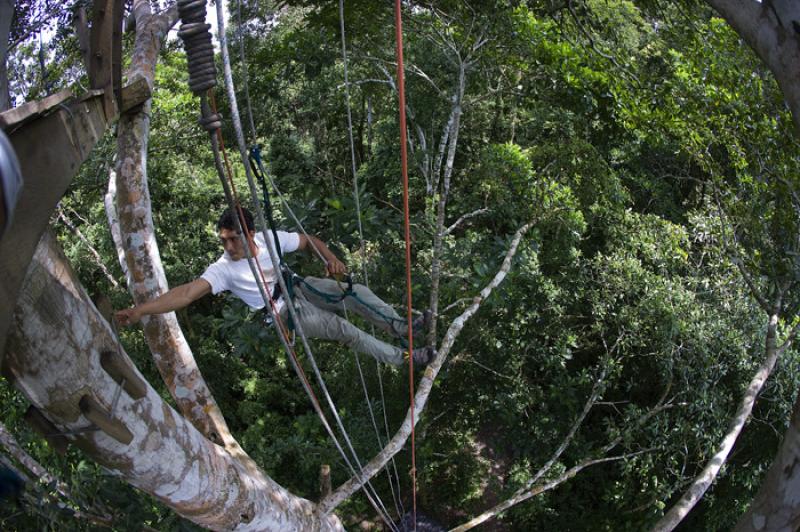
{"points": [[318, 318]]}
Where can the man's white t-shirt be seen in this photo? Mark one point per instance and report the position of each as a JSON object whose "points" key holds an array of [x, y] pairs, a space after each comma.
{"points": [[236, 276]]}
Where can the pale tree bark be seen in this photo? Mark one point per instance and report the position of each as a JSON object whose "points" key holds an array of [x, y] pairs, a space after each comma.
{"points": [[6, 14], [60, 348], [55, 357], [443, 193], [776, 506], [146, 278]]}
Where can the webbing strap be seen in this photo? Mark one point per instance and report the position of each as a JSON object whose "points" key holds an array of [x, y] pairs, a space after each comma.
{"points": [[288, 280], [258, 170]]}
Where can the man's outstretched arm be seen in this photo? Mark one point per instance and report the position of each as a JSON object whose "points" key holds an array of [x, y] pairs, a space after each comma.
{"points": [[177, 298], [333, 265]]}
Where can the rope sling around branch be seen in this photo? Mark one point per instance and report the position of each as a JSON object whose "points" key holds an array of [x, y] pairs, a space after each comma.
{"points": [[197, 38]]}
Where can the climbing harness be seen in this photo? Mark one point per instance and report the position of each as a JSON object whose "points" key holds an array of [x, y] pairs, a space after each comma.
{"points": [[257, 167]]}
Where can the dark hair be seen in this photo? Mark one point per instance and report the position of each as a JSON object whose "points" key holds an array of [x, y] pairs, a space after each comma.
{"points": [[228, 220]]}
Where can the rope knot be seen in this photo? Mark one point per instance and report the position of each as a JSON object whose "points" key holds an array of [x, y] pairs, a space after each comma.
{"points": [[211, 122]]}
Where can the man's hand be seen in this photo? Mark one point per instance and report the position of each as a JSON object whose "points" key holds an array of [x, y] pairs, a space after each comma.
{"points": [[335, 268], [128, 316]]}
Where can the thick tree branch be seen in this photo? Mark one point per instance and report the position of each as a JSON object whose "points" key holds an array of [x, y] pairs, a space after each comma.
{"points": [[140, 254], [55, 357], [773, 39]]}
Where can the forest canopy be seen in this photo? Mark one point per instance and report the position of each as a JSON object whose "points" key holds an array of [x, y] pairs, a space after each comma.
{"points": [[639, 159]]}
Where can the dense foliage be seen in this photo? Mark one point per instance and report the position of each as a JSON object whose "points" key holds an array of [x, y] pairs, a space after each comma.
{"points": [[649, 147]]}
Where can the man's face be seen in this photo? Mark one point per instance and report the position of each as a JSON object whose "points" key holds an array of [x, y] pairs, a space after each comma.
{"points": [[232, 243]]}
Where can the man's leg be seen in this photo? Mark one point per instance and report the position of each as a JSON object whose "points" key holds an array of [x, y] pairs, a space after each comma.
{"points": [[366, 304], [320, 323]]}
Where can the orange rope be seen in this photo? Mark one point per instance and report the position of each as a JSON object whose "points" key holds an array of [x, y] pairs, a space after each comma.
{"points": [[401, 90]]}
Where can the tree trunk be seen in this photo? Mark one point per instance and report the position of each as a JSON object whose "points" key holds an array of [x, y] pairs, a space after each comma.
{"points": [[146, 278], [54, 356]]}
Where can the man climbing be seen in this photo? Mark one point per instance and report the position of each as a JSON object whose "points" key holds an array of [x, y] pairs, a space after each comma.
{"points": [[316, 299]]}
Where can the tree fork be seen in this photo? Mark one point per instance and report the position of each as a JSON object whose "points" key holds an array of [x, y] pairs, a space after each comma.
{"points": [[54, 354]]}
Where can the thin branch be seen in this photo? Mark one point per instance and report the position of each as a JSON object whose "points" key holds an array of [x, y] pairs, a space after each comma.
{"points": [[572, 431], [490, 370], [463, 218], [703, 481], [426, 383], [751, 285], [762, 302], [455, 303], [787, 343], [367, 80], [98, 260], [594, 47], [537, 490], [418, 71]]}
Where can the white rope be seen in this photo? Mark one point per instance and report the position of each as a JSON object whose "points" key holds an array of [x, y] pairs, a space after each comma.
{"points": [[372, 497], [362, 244], [245, 76]]}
